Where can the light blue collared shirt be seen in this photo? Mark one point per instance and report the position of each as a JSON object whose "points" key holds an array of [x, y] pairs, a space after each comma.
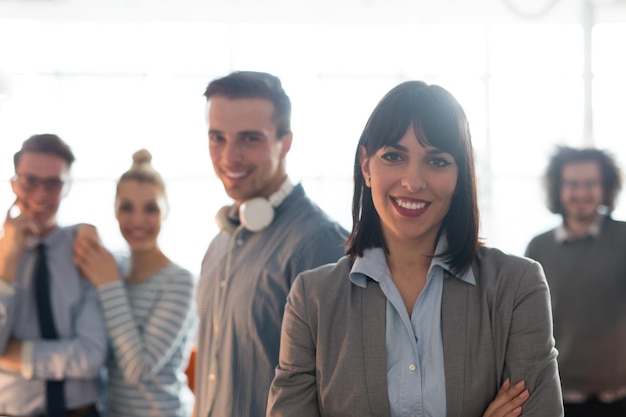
{"points": [[416, 382], [78, 354]]}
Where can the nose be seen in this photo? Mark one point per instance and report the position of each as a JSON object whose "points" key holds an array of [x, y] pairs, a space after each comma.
{"points": [[413, 178], [137, 217], [39, 193], [232, 152], [580, 191]]}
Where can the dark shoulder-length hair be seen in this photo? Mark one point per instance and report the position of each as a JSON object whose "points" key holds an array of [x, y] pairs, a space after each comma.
{"points": [[435, 112], [564, 155]]}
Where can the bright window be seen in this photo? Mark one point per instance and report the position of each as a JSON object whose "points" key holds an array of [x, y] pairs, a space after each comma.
{"points": [[109, 89]]}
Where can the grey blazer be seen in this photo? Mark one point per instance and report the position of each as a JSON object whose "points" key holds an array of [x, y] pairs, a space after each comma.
{"points": [[332, 352]]}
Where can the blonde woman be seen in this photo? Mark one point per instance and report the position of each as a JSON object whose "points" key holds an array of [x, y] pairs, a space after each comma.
{"points": [[147, 302]]}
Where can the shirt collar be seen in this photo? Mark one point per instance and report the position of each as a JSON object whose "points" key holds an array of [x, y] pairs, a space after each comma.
{"points": [[562, 234], [373, 265], [48, 240], [224, 219]]}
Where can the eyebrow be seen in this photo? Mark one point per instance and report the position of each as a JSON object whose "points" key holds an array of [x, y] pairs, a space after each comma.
{"points": [[429, 151], [251, 132], [242, 133], [396, 146], [53, 177], [435, 151]]}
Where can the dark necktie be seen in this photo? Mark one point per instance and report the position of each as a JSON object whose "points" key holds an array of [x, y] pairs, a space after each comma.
{"points": [[55, 398]]}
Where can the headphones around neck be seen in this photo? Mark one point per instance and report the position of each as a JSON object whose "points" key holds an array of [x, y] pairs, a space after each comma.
{"points": [[258, 213]]}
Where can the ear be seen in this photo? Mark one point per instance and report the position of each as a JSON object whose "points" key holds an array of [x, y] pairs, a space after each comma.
{"points": [[364, 161], [286, 141], [18, 205], [165, 207], [14, 186], [116, 208], [66, 189]]}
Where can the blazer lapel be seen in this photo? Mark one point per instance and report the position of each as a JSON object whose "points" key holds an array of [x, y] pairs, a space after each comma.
{"points": [[373, 308], [454, 316]]}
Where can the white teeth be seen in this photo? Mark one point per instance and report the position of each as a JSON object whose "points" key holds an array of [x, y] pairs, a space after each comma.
{"points": [[236, 174], [137, 234], [410, 205]]}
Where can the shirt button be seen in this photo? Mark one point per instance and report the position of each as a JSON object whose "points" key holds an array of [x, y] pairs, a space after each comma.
{"points": [[212, 377], [411, 368]]}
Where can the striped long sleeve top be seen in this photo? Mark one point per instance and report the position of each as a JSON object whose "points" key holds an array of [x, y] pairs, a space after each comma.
{"points": [[151, 330]]}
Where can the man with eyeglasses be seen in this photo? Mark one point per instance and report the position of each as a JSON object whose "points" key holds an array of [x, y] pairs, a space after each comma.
{"points": [[52, 336], [585, 263]]}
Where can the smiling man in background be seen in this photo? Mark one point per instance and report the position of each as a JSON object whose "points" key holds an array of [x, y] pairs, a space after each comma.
{"points": [[585, 264]]}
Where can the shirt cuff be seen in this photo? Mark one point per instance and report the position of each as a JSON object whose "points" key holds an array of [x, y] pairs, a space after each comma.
{"points": [[6, 288], [28, 353], [113, 284]]}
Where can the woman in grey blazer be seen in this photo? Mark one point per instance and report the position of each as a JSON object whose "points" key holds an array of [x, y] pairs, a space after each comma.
{"points": [[419, 319]]}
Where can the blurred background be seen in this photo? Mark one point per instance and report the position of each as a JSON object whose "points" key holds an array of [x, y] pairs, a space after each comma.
{"points": [[111, 77]]}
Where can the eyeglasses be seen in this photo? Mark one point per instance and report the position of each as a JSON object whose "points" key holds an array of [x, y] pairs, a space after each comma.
{"points": [[587, 185], [29, 183]]}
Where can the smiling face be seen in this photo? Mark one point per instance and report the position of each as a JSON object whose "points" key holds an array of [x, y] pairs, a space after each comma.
{"points": [[581, 191], [140, 208], [39, 185], [412, 187], [247, 155]]}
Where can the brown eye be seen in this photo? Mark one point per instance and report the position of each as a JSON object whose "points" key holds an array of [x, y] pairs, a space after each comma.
{"points": [[125, 208], [391, 156], [439, 162], [251, 138], [216, 138], [152, 208], [29, 182]]}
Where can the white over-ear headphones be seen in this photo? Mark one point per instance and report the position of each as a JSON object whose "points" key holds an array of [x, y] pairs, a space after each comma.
{"points": [[258, 213]]}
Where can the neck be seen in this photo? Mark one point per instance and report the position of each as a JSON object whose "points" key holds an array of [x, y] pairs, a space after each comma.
{"points": [[143, 264], [408, 271], [578, 227], [46, 228], [404, 256], [278, 182]]}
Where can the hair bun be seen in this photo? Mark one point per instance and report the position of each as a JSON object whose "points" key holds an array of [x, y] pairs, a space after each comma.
{"points": [[141, 157]]}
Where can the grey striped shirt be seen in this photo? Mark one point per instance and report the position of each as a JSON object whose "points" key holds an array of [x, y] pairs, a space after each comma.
{"points": [[151, 330]]}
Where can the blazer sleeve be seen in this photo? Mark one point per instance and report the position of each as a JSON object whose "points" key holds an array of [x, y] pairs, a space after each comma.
{"points": [[530, 352], [294, 389]]}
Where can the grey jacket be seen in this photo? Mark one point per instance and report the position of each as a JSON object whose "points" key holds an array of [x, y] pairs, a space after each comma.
{"points": [[332, 354]]}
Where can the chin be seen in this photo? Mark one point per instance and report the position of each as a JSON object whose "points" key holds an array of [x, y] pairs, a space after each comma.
{"points": [[142, 249], [585, 217], [238, 195], [44, 220], [141, 246]]}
